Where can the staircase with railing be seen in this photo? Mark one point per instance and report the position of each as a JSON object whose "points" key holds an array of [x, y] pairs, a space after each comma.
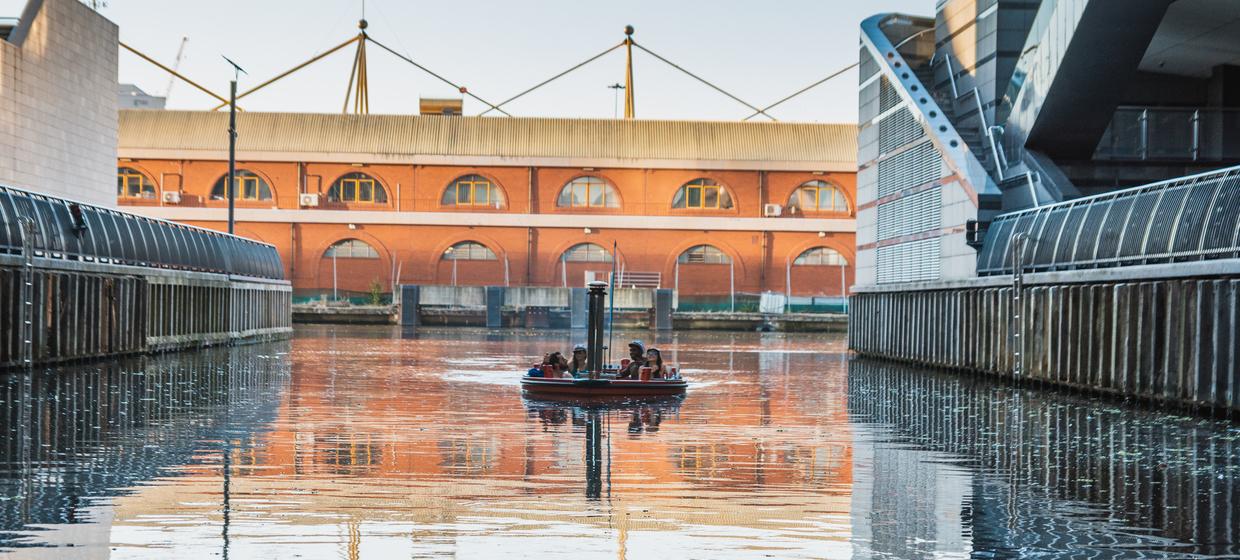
{"points": [[963, 148]]}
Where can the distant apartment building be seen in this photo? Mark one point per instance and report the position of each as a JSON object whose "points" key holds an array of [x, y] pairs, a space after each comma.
{"points": [[129, 96], [358, 201], [57, 110]]}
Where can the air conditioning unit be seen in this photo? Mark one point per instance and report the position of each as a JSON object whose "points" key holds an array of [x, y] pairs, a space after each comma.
{"points": [[310, 200], [172, 197], [772, 210]]}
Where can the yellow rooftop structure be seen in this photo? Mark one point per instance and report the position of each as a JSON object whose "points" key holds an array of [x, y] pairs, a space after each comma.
{"points": [[460, 140]]}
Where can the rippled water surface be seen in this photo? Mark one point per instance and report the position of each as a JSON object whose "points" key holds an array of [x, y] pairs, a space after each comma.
{"points": [[370, 442]]}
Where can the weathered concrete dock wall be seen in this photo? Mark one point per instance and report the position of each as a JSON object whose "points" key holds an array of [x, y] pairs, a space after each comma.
{"points": [[93, 310], [1153, 332]]}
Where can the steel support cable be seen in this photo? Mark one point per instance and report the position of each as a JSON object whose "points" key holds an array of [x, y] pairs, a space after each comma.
{"points": [[553, 78], [173, 72], [832, 75], [437, 76], [803, 90], [700, 79], [291, 70]]}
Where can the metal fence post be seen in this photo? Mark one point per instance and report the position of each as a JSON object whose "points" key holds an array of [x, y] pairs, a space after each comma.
{"points": [[1196, 134], [1144, 121]]}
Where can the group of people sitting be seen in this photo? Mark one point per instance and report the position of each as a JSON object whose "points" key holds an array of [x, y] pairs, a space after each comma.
{"points": [[639, 357]]}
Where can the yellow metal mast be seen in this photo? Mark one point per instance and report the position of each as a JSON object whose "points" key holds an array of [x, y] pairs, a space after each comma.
{"points": [[361, 99], [629, 106], [359, 86]]}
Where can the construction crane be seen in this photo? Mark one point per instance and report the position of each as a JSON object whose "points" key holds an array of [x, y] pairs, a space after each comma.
{"points": [[172, 79]]}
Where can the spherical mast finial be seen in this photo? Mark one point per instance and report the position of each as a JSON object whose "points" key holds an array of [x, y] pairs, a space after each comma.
{"points": [[628, 30]]}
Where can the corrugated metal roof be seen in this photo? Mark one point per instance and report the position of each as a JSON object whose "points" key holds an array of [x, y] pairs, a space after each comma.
{"points": [[396, 136]]}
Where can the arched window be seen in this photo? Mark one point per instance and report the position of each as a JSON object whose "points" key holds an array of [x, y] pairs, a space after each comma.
{"points": [[249, 187], [588, 192], [357, 187], [702, 193], [473, 190], [131, 183], [587, 252], [818, 196], [821, 256], [468, 251], [704, 254], [352, 249]]}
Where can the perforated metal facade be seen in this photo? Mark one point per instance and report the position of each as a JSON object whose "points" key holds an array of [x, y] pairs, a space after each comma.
{"points": [[911, 214], [910, 262]]}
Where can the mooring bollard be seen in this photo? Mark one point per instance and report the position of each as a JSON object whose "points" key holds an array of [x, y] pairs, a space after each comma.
{"points": [[495, 306], [409, 305]]}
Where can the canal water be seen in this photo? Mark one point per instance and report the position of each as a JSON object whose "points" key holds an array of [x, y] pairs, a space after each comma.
{"points": [[370, 442]]}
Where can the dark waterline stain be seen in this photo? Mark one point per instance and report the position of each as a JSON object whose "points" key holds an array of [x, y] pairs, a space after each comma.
{"points": [[376, 442]]}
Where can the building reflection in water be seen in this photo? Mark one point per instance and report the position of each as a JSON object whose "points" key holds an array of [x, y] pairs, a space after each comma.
{"points": [[951, 463], [366, 442], [76, 435]]}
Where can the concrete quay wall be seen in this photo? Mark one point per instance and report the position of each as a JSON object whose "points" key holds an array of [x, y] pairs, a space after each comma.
{"points": [[1137, 333], [84, 310]]}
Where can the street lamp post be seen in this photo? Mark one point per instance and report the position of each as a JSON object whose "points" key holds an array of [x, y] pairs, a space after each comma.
{"points": [[676, 283], [232, 156], [232, 147], [447, 253], [843, 284], [732, 284], [787, 284]]}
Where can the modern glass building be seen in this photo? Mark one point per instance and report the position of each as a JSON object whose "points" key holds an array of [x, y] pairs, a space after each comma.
{"points": [[996, 106]]}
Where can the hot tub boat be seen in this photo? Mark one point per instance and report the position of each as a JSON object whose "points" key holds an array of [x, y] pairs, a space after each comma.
{"points": [[541, 381]]}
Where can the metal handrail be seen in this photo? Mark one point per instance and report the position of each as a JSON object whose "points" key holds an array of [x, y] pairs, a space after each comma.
{"points": [[940, 129], [1196, 217]]}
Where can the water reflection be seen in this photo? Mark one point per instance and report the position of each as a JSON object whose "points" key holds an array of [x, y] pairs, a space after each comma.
{"points": [[962, 463], [594, 417], [380, 442], [76, 435]]}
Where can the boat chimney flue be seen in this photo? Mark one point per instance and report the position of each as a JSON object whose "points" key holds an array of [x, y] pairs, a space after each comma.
{"points": [[594, 326]]}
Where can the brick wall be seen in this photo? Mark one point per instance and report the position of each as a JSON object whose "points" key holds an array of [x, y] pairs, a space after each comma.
{"points": [[532, 253]]}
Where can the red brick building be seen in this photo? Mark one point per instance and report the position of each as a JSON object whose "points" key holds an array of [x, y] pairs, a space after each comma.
{"points": [[355, 201]]}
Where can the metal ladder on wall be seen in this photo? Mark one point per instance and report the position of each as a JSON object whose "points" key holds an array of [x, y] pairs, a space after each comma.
{"points": [[27, 292], [1017, 323]]}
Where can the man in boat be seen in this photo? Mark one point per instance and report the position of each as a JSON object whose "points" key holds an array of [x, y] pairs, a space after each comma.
{"points": [[637, 360], [557, 362]]}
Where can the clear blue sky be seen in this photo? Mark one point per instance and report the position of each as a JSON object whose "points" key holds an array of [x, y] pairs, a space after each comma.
{"points": [[760, 51]]}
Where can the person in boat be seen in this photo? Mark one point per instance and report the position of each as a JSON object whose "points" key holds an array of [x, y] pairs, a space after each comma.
{"points": [[654, 361], [578, 365], [637, 360], [557, 361]]}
